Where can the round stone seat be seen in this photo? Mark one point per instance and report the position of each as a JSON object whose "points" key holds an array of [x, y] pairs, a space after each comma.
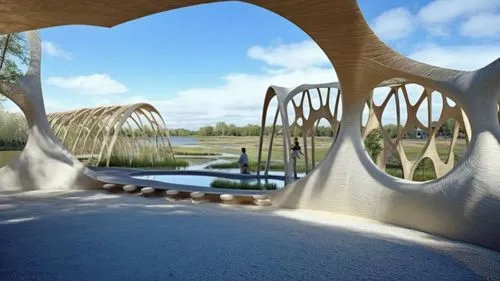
{"points": [[262, 202], [226, 197], [172, 192], [197, 195], [108, 186], [147, 190], [129, 188], [259, 196]]}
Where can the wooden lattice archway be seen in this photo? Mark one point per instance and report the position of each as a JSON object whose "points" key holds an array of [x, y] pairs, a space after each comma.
{"points": [[100, 133]]}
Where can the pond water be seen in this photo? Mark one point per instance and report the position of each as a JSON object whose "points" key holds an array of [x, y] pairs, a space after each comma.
{"points": [[237, 171], [175, 141], [179, 141], [204, 181]]}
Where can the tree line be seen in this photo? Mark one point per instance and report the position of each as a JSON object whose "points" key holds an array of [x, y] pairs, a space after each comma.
{"points": [[223, 129], [446, 130]]}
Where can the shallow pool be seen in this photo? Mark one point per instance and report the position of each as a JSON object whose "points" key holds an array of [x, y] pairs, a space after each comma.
{"points": [[204, 181]]}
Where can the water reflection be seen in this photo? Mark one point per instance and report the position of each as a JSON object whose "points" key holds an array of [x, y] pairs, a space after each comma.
{"points": [[205, 181]]}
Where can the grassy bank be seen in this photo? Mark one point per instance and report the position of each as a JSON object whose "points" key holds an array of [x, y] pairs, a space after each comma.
{"points": [[191, 153], [144, 161], [220, 183], [420, 173], [7, 155], [232, 145], [253, 166]]}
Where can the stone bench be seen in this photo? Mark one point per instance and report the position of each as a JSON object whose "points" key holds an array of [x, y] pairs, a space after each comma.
{"points": [[261, 200], [259, 197], [147, 191], [172, 194], [227, 198], [129, 188], [109, 186], [197, 196]]}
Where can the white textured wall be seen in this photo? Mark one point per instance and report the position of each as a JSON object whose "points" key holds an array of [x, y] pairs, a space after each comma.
{"points": [[44, 163]]}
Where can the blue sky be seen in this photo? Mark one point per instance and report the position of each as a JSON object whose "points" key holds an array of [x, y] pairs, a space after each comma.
{"points": [[213, 62]]}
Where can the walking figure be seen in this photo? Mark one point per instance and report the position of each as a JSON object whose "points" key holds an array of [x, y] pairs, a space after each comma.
{"points": [[295, 154]]}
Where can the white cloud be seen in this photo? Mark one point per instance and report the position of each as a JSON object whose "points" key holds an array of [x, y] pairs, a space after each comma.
{"points": [[394, 24], [94, 84], [52, 49], [482, 25], [238, 100], [469, 57], [290, 56], [438, 30], [443, 11]]}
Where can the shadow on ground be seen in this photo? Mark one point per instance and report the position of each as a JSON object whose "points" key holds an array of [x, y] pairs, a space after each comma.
{"points": [[101, 236]]}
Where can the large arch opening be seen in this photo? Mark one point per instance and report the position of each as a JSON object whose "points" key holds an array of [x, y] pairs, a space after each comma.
{"points": [[313, 113], [209, 121], [13, 123], [413, 132]]}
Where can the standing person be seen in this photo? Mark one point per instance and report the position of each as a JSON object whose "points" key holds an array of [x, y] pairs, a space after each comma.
{"points": [[243, 161], [295, 154]]}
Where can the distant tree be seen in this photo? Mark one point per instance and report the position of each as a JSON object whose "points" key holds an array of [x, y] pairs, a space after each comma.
{"points": [[180, 132], [324, 131], [221, 129], [232, 130], [206, 131], [296, 132], [13, 53], [13, 126], [450, 126], [373, 144], [392, 130], [412, 133], [253, 130]]}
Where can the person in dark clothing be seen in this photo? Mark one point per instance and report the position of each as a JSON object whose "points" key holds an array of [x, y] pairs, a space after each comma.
{"points": [[296, 151], [243, 161]]}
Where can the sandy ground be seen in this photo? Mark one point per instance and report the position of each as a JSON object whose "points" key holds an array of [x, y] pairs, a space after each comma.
{"points": [[99, 236]]}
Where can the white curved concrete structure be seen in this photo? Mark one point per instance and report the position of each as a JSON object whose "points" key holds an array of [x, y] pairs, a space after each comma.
{"points": [[328, 93], [44, 163], [394, 147], [464, 204], [306, 119]]}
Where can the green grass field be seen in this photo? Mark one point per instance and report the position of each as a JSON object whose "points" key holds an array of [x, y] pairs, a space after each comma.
{"points": [[211, 147], [220, 183], [6, 156], [233, 145]]}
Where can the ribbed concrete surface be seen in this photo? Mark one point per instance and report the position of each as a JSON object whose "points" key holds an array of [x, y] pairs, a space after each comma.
{"points": [[98, 236]]}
